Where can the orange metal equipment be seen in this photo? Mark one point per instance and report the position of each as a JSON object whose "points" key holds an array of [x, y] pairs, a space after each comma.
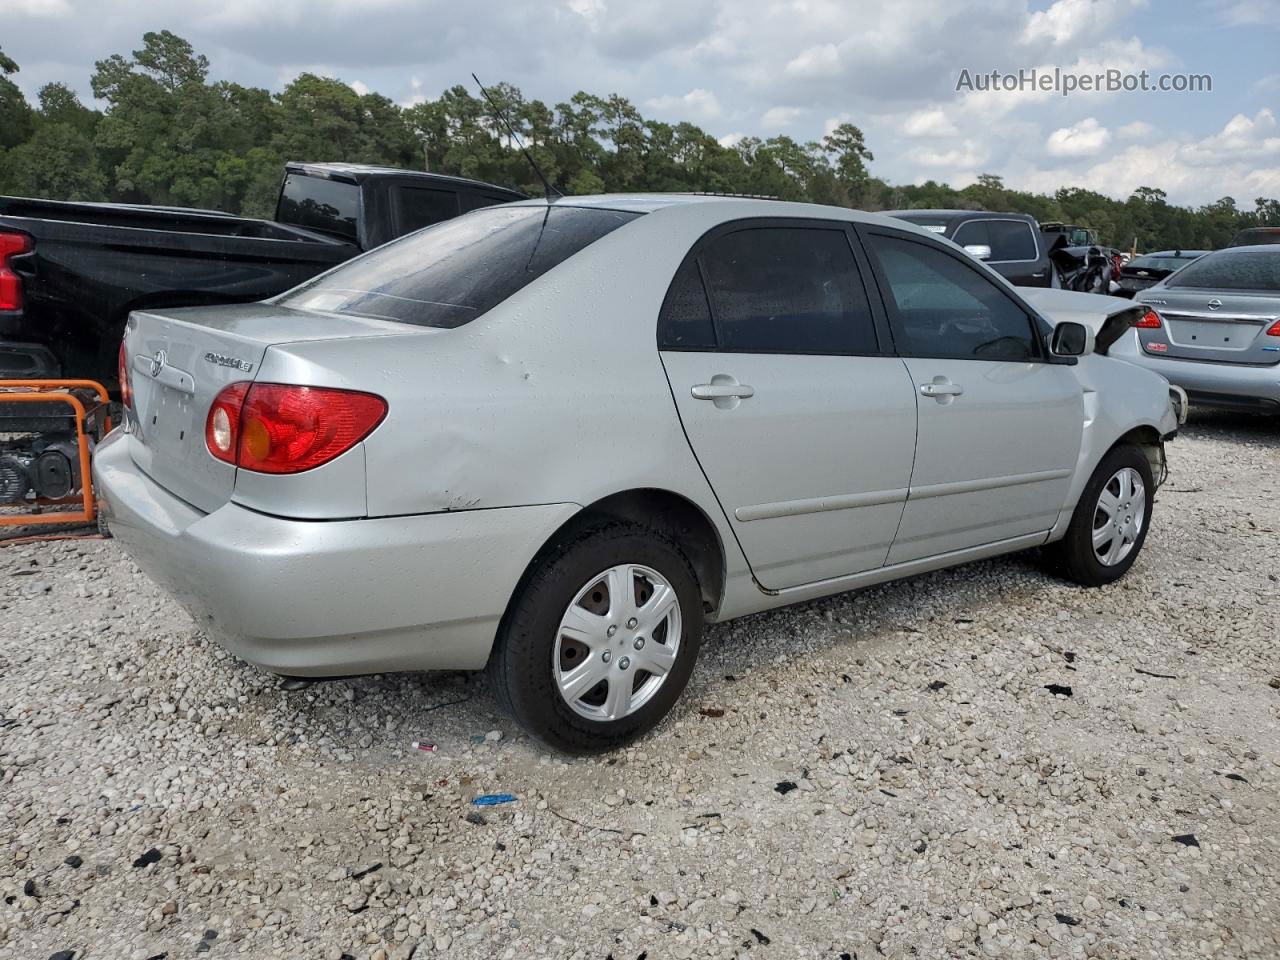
{"points": [[92, 421]]}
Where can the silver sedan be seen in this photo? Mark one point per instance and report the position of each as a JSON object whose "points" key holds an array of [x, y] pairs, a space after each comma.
{"points": [[558, 439], [1213, 328]]}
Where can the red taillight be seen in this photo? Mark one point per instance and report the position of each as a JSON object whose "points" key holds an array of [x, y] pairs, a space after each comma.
{"points": [[279, 428], [1150, 321], [122, 372], [1274, 329], [11, 244]]}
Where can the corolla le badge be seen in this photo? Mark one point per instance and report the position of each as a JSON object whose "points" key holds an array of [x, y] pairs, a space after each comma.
{"points": [[222, 360], [157, 363], [1215, 303]]}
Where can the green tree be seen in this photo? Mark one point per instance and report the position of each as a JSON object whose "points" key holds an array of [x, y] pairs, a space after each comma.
{"points": [[17, 119], [58, 163]]}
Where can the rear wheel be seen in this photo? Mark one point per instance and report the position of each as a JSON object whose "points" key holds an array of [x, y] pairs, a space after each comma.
{"points": [[1110, 522], [601, 640]]}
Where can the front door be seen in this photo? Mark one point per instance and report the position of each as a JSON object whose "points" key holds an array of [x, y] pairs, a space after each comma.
{"points": [[1000, 426], [801, 420]]}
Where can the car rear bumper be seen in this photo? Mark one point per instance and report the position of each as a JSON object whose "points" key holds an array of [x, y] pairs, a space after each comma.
{"points": [[1237, 386], [328, 598]]}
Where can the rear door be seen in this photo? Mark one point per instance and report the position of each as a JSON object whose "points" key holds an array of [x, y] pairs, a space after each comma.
{"points": [[802, 421], [999, 426]]}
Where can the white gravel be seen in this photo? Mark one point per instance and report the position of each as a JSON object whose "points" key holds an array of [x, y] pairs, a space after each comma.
{"points": [[160, 798]]}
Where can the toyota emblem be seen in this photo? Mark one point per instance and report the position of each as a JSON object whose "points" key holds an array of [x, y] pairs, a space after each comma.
{"points": [[157, 363]]}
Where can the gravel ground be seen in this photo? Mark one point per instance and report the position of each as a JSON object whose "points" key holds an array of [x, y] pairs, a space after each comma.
{"points": [[981, 762]]}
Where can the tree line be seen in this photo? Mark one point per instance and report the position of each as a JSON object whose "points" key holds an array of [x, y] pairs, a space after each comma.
{"points": [[168, 135]]}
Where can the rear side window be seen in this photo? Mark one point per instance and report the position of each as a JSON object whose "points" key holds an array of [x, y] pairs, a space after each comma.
{"points": [[449, 274], [787, 290], [418, 207], [327, 206], [946, 308], [1232, 270], [1008, 239], [686, 315]]}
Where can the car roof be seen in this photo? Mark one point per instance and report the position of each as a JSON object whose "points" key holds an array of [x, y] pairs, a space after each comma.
{"points": [[360, 172], [1175, 253], [735, 207], [960, 214]]}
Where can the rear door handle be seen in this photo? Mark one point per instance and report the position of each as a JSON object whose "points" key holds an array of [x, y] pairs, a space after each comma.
{"points": [[941, 389], [722, 391]]}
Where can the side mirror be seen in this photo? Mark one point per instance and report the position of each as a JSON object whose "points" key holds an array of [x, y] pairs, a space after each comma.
{"points": [[1071, 339], [979, 251]]}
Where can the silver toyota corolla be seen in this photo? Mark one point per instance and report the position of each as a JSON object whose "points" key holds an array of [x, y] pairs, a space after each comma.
{"points": [[558, 439], [1214, 329]]}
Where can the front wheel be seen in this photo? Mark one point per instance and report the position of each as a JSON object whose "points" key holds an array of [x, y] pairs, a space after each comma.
{"points": [[1110, 522], [601, 639]]}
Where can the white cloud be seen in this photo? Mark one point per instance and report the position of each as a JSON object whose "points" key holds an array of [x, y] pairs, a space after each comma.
{"points": [[1067, 21], [929, 123], [697, 104], [1241, 160], [1136, 130], [820, 61], [1242, 138], [35, 8], [776, 118], [965, 154], [359, 88], [1084, 139], [730, 139]]}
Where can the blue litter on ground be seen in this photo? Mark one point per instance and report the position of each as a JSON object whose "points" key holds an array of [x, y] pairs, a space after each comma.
{"points": [[493, 799]]}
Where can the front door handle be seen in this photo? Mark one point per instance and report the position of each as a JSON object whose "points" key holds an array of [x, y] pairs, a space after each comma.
{"points": [[941, 389], [722, 391]]}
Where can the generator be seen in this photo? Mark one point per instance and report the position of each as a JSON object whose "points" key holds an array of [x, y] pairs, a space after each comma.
{"points": [[48, 429]]}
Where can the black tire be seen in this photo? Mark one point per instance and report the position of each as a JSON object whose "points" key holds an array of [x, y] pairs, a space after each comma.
{"points": [[1073, 556], [521, 665]]}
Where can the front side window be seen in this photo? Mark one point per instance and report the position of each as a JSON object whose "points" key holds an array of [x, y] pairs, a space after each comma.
{"points": [[946, 308], [787, 290], [449, 274]]}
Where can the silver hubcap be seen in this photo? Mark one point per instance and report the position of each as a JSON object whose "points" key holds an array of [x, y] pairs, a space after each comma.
{"points": [[617, 642], [1119, 516]]}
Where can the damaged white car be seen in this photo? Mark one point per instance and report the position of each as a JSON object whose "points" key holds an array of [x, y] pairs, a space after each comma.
{"points": [[557, 439]]}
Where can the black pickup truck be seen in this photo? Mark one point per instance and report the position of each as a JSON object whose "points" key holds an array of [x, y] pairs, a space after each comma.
{"points": [[71, 272]]}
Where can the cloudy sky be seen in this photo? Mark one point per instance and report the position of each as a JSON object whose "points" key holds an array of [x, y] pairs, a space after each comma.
{"points": [[765, 67]]}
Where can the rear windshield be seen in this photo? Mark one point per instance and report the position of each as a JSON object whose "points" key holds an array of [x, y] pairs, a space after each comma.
{"points": [[1159, 263], [453, 272], [1257, 235], [328, 206], [1252, 270]]}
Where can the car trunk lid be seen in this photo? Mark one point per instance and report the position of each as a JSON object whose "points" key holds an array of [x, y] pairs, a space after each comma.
{"points": [[178, 362], [1223, 327]]}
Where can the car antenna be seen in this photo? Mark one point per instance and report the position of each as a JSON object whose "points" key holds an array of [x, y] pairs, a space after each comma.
{"points": [[552, 193]]}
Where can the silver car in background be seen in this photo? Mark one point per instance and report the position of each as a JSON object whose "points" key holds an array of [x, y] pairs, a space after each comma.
{"points": [[556, 439], [1214, 329]]}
